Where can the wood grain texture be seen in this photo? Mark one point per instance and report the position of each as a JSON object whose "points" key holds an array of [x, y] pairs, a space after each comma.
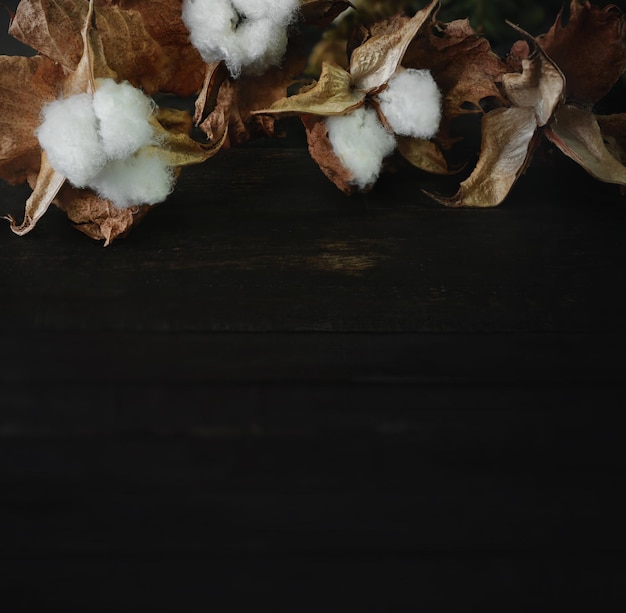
{"points": [[257, 239], [273, 394]]}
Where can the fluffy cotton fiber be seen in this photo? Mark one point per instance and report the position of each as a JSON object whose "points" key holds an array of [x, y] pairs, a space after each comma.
{"points": [[411, 103], [123, 113], [140, 179], [69, 136], [98, 142], [361, 143], [248, 35]]}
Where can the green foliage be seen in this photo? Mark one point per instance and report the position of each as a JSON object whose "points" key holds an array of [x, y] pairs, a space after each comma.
{"points": [[489, 17]]}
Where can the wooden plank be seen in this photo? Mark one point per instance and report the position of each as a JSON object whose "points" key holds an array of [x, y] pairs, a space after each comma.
{"points": [[259, 240]]}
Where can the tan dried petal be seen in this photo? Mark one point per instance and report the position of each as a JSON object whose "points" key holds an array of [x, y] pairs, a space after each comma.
{"points": [[332, 94], [577, 134], [590, 49], [374, 62], [505, 150], [26, 84], [423, 154]]}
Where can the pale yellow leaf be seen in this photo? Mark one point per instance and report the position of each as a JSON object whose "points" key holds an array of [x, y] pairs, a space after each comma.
{"points": [[332, 94]]}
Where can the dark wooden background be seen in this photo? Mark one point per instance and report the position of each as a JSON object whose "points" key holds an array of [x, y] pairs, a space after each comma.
{"points": [[273, 395]]}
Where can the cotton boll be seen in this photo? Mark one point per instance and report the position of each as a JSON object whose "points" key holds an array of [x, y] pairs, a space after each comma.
{"points": [[123, 114], [361, 143], [263, 44], [141, 179], [211, 24], [69, 136], [278, 11], [248, 35], [411, 103]]}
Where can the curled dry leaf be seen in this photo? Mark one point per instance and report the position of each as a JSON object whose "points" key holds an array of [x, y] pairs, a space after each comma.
{"points": [[510, 134], [590, 48], [332, 94], [505, 150], [46, 186], [539, 86], [577, 134]]}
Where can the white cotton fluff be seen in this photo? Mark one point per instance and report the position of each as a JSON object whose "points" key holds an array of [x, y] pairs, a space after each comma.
{"points": [[99, 142], [69, 136], [123, 114], [411, 103], [248, 35], [361, 143], [140, 179]]}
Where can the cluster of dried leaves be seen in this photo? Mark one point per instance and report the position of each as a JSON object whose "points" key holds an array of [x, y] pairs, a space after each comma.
{"points": [[546, 86]]}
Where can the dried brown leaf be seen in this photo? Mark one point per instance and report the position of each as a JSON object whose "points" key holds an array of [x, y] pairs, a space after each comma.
{"points": [[144, 43], [96, 217], [577, 134], [26, 84], [590, 49], [51, 27], [506, 147], [374, 62]]}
